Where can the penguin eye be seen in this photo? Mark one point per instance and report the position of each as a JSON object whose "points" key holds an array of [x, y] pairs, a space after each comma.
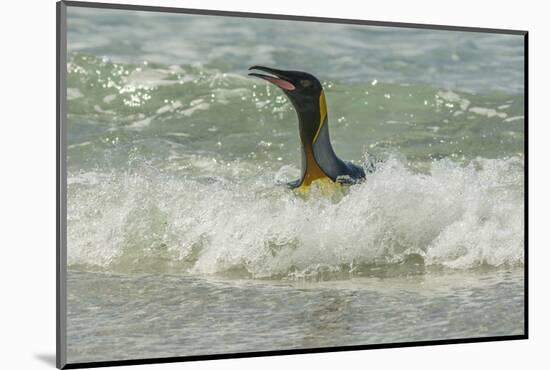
{"points": [[305, 83]]}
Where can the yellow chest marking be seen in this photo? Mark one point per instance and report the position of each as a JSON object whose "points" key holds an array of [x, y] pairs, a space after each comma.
{"points": [[316, 176], [313, 171], [324, 186]]}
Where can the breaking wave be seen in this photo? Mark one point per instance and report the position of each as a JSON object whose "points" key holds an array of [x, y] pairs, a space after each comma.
{"points": [[454, 216]]}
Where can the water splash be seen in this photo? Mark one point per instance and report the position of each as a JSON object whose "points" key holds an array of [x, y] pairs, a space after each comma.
{"points": [[454, 216]]}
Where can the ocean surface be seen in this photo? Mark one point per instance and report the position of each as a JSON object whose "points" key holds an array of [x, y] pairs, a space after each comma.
{"points": [[183, 240]]}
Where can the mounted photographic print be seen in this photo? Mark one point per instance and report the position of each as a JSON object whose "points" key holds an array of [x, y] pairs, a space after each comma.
{"points": [[238, 184]]}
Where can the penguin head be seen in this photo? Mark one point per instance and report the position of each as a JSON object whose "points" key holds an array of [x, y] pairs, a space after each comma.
{"points": [[304, 91], [302, 88]]}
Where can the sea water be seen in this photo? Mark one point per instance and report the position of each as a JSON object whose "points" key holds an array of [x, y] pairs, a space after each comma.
{"points": [[183, 239]]}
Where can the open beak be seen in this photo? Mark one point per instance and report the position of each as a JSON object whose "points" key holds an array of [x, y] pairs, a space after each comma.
{"points": [[275, 76]]}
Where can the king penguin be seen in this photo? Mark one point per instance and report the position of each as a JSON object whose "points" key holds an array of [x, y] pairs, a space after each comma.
{"points": [[319, 162]]}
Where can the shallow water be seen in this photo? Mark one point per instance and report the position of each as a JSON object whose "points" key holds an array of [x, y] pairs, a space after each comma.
{"points": [[183, 240], [147, 316]]}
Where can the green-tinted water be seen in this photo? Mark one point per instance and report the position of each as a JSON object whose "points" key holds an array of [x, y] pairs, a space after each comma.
{"points": [[175, 160]]}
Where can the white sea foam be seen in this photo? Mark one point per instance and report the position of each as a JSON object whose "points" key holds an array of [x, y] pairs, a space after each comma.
{"points": [[515, 118], [455, 216], [489, 112], [74, 93]]}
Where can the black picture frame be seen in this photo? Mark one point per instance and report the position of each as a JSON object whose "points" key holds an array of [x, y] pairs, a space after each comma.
{"points": [[61, 185]]}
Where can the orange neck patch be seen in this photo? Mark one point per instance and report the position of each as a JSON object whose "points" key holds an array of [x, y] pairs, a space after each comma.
{"points": [[323, 114]]}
